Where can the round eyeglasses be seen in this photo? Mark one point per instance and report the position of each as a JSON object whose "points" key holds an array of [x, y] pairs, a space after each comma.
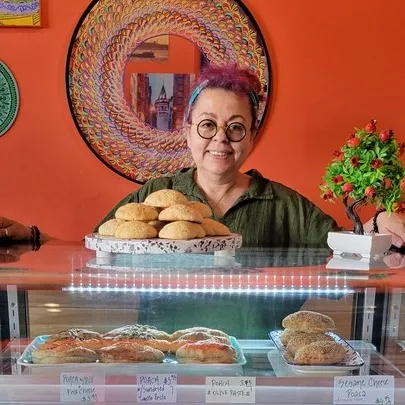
{"points": [[234, 131]]}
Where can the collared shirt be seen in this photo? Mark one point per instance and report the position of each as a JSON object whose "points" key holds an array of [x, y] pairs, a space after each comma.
{"points": [[267, 214]]}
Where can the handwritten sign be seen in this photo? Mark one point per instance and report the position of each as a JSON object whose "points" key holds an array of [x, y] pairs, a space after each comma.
{"points": [[371, 389], [156, 388], [230, 389], [82, 387]]}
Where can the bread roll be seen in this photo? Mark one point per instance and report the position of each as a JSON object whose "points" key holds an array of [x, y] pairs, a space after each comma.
{"points": [[135, 230], [64, 353], [196, 329], [204, 209], [296, 342], [196, 337], [165, 198], [136, 212], [181, 230], [108, 228], [180, 212], [75, 334], [216, 227], [206, 352], [320, 353], [130, 352], [308, 321]]}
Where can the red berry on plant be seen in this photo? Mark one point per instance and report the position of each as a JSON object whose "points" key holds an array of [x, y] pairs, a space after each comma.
{"points": [[385, 136], [354, 161], [337, 179], [339, 155], [376, 163], [347, 188], [370, 127], [353, 142], [327, 195], [370, 192]]}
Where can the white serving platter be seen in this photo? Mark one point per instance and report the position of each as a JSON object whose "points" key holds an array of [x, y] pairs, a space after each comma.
{"points": [[352, 360], [108, 244]]}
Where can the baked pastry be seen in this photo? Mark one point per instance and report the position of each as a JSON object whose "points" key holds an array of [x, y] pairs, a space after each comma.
{"points": [[92, 344], [308, 321], [204, 209], [135, 230], [196, 329], [181, 230], [75, 334], [320, 353], [109, 227], [215, 228], [136, 212], [287, 334], [165, 198], [196, 337], [296, 342], [138, 332], [64, 353], [130, 352], [180, 212], [207, 351]]}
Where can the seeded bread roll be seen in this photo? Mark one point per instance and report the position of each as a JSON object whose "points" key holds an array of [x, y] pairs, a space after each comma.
{"points": [[64, 353], [196, 329], [136, 212], [135, 230], [320, 353], [180, 212], [165, 198], [308, 321], [75, 334], [130, 352], [206, 352], [204, 209], [296, 342], [109, 227], [138, 331], [196, 337]]}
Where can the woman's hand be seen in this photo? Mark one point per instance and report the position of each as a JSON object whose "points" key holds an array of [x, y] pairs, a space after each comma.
{"points": [[390, 223], [12, 230]]}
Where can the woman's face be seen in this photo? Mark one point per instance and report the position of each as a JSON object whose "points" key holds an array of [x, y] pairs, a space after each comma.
{"points": [[218, 155]]}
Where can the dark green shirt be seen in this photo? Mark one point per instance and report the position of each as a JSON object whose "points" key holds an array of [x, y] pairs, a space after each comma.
{"points": [[268, 214]]}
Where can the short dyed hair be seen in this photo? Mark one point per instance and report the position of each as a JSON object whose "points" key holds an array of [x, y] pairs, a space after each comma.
{"points": [[230, 77]]}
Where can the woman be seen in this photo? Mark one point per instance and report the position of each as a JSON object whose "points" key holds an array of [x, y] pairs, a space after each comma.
{"points": [[221, 129]]}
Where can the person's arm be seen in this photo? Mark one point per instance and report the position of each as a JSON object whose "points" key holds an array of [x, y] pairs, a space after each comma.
{"points": [[11, 230]]}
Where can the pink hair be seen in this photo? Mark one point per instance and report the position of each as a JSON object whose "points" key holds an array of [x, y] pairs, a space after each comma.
{"points": [[230, 77]]}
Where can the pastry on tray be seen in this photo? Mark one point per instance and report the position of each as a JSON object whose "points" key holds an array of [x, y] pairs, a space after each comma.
{"points": [[135, 230], [136, 212], [139, 332], [321, 352], [204, 209], [298, 341], [195, 337], [207, 351], [71, 352], [196, 329], [109, 227], [181, 212], [165, 198], [215, 228], [308, 321], [181, 230], [75, 334], [130, 352]]}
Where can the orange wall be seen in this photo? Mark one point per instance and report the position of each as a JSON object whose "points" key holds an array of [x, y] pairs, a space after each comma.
{"points": [[335, 65]]}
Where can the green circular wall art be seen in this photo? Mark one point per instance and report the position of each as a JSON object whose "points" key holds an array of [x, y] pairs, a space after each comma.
{"points": [[9, 100]]}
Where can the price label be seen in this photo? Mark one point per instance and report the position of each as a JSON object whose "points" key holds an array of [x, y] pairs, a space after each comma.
{"points": [[156, 388], [230, 390], [82, 387], [372, 389]]}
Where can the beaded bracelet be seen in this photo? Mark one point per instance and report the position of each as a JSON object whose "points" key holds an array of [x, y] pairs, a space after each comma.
{"points": [[35, 237], [375, 225]]}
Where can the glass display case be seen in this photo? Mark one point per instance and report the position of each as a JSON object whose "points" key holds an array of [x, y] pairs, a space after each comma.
{"points": [[246, 295]]}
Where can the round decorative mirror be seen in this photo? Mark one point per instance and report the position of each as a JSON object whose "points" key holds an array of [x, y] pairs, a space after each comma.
{"points": [[131, 64]]}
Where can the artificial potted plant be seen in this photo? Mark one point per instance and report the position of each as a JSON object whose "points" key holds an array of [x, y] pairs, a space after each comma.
{"points": [[366, 170]]}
